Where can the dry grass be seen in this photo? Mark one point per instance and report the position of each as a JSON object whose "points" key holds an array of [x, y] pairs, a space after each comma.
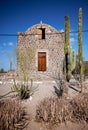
{"points": [[80, 107], [59, 110], [54, 110], [12, 115]]}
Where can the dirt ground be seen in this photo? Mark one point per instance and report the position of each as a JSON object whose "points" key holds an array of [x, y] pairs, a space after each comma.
{"points": [[47, 89], [42, 90]]}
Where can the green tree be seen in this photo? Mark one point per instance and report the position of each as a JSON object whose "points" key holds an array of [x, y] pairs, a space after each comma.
{"points": [[2, 70]]}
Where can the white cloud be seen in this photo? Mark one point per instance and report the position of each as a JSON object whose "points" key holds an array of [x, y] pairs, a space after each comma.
{"points": [[72, 39], [10, 44], [62, 30], [73, 32]]}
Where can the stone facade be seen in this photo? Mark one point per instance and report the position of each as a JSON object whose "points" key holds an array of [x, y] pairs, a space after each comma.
{"points": [[52, 44]]}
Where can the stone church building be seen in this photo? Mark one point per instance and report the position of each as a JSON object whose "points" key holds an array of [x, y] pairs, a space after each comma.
{"points": [[48, 45]]}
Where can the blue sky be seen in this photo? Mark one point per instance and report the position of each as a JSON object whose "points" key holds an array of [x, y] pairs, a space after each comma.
{"points": [[19, 15]]}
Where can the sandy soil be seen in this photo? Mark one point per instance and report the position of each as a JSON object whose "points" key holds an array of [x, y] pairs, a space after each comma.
{"points": [[47, 89], [42, 90]]}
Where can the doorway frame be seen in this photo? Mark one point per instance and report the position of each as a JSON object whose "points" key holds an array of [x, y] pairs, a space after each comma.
{"points": [[47, 57]]}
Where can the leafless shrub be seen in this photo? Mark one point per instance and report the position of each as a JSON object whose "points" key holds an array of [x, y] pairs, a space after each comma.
{"points": [[53, 110], [80, 107], [12, 115], [25, 58]]}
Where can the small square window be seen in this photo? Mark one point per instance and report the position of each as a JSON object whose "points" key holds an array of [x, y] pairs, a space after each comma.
{"points": [[41, 33]]}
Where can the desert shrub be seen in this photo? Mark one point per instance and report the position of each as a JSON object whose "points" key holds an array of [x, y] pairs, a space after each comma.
{"points": [[59, 110], [2, 70], [53, 110], [80, 107], [23, 90], [12, 115], [24, 93]]}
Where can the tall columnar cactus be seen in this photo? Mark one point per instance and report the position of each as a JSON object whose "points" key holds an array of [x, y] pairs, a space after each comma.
{"points": [[70, 56], [70, 62], [66, 44], [10, 65], [80, 53], [67, 36]]}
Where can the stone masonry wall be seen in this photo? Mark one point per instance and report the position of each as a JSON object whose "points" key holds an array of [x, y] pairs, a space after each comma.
{"points": [[53, 45]]}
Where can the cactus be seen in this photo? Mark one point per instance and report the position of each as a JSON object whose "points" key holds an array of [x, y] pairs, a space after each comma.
{"points": [[66, 44], [70, 56], [70, 62], [10, 65], [67, 36], [80, 55]]}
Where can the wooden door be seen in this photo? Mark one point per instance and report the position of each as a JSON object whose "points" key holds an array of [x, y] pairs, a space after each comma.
{"points": [[41, 61]]}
